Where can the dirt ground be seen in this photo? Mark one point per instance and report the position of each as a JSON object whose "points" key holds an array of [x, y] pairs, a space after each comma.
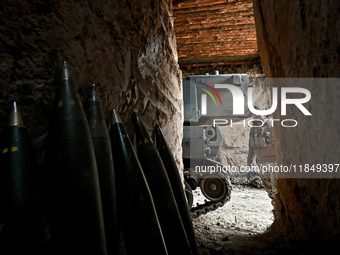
{"points": [[245, 217]]}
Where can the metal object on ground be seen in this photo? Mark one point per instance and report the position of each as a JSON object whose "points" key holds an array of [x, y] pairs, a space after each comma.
{"points": [[23, 222], [102, 148], [156, 176], [136, 211], [214, 187], [177, 186], [201, 148], [209, 99], [72, 192]]}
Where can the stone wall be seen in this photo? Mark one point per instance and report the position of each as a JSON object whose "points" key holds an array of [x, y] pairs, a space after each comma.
{"points": [[127, 48], [301, 39]]}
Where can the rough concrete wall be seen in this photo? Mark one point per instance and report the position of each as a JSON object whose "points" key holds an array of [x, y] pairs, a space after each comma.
{"points": [[235, 145], [127, 48], [302, 39]]}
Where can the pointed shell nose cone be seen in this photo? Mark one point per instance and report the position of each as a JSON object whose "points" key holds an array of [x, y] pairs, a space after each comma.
{"points": [[94, 94], [15, 118], [158, 129], [64, 75], [136, 118], [115, 118]]}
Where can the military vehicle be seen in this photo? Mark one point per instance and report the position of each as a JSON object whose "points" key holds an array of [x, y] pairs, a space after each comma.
{"points": [[208, 100]]}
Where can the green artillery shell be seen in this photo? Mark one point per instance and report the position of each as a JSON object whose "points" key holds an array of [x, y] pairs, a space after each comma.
{"points": [[72, 184], [177, 186], [136, 210], [166, 207], [102, 149], [23, 223]]}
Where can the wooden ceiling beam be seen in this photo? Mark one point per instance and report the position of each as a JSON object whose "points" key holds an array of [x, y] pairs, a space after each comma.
{"points": [[194, 19], [219, 59], [209, 3], [201, 29], [227, 52]]}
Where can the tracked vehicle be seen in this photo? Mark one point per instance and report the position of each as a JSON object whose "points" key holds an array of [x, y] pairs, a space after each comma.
{"points": [[208, 100]]}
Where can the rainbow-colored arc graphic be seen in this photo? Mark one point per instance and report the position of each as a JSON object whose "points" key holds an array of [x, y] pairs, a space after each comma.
{"points": [[206, 91]]}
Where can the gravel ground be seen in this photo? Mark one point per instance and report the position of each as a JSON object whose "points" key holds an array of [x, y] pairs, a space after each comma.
{"points": [[247, 215]]}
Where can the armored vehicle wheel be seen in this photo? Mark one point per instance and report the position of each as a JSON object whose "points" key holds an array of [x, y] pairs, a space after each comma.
{"points": [[189, 195], [192, 182], [214, 187]]}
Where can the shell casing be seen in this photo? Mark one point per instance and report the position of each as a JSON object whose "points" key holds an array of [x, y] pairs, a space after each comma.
{"points": [[165, 203], [102, 148], [136, 211], [177, 186], [24, 227], [72, 191]]}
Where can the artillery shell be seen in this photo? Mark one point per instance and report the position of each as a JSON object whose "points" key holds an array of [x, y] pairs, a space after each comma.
{"points": [[136, 210], [71, 177], [23, 222], [177, 186], [156, 176], [102, 149]]}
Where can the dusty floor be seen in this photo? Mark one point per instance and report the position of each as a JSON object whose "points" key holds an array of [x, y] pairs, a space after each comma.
{"points": [[240, 221]]}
